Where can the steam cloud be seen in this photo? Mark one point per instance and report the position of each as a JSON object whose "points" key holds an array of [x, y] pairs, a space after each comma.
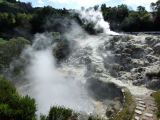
{"points": [[49, 86], [96, 17]]}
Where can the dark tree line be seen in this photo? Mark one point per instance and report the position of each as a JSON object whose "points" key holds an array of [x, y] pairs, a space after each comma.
{"points": [[123, 19], [120, 17]]}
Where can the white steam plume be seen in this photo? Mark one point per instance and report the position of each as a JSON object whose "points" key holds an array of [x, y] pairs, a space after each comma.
{"points": [[96, 17], [50, 87]]}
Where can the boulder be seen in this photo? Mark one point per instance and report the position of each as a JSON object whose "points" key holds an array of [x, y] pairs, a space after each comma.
{"points": [[151, 58], [127, 50], [156, 48], [148, 40], [138, 52], [149, 50]]}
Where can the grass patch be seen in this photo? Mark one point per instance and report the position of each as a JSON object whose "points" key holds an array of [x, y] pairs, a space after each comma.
{"points": [[1, 1], [2, 41], [128, 108], [156, 95]]}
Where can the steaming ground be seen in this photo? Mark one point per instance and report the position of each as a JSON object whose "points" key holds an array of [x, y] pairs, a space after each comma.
{"points": [[63, 86], [50, 85]]}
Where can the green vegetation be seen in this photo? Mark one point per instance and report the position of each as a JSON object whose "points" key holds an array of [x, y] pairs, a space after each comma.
{"points": [[10, 50], [156, 95], [2, 41], [61, 113], [128, 108], [1, 1], [12, 105], [24, 17]]}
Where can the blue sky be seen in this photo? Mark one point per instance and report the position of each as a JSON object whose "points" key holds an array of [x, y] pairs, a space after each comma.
{"points": [[76, 4]]}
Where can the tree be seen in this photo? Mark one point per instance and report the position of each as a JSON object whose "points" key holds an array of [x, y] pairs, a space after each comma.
{"points": [[103, 7], [12, 105], [104, 10], [64, 11], [11, 49], [46, 12], [42, 16], [141, 9], [153, 7], [11, 20], [132, 22], [29, 4], [23, 21], [122, 12], [96, 7], [156, 14], [6, 21]]}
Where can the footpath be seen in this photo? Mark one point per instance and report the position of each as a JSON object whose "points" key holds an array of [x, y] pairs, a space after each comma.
{"points": [[145, 107]]}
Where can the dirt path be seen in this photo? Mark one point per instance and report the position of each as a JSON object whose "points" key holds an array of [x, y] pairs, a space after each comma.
{"points": [[145, 107]]}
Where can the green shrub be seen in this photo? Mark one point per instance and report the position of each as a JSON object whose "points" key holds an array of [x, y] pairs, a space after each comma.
{"points": [[43, 117], [12, 105], [2, 41], [61, 113], [93, 118], [127, 112]]}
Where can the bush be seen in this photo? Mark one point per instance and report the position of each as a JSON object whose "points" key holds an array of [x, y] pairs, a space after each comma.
{"points": [[12, 105], [61, 113]]}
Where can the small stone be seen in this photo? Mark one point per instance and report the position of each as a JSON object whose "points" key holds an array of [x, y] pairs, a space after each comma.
{"points": [[152, 105], [140, 108], [144, 118], [151, 108], [151, 112], [137, 118], [138, 99], [138, 112], [148, 115], [142, 105], [141, 102]]}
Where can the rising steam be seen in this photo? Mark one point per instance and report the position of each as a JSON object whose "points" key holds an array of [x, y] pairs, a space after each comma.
{"points": [[97, 18], [50, 87]]}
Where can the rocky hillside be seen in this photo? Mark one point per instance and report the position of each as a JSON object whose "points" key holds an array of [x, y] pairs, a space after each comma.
{"points": [[124, 57]]}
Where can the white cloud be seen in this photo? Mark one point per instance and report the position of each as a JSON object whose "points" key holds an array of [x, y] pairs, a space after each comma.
{"points": [[81, 2], [148, 8], [138, 2], [40, 2]]}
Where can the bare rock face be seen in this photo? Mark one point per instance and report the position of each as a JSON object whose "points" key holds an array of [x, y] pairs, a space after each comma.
{"points": [[124, 57], [134, 55], [156, 48]]}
